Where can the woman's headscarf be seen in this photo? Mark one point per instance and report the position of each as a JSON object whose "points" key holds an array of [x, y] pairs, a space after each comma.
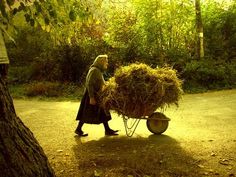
{"points": [[98, 62]]}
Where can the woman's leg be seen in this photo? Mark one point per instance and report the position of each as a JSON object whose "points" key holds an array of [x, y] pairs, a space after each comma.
{"points": [[106, 126], [79, 129], [80, 125], [108, 130]]}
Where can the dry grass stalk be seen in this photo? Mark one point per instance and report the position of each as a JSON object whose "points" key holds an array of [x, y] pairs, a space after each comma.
{"points": [[137, 90]]}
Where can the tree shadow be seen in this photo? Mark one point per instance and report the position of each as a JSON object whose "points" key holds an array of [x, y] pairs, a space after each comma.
{"points": [[156, 155]]}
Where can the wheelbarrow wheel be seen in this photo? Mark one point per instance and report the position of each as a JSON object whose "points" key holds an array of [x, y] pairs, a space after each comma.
{"points": [[158, 123]]}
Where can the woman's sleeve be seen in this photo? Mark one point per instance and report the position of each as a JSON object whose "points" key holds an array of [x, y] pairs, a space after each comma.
{"points": [[95, 82], [90, 84]]}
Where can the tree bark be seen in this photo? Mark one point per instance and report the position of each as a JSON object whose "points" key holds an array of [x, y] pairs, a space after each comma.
{"points": [[20, 153], [200, 45]]}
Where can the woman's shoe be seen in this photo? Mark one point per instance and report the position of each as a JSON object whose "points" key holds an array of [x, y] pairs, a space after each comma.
{"points": [[81, 133], [115, 131], [111, 132]]}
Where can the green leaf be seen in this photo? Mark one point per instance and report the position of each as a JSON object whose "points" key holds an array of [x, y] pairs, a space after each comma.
{"points": [[72, 15], [14, 11], [38, 6], [53, 13], [61, 2], [32, 22], [22, 7], [27, 17], [10, 2], [46, 21], [3, 9]]}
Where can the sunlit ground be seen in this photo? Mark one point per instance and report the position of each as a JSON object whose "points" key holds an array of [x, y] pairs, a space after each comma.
{"points": [[200, 139]]}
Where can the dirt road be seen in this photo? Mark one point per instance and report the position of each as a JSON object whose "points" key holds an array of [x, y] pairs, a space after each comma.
{"points": [[200, 140]]}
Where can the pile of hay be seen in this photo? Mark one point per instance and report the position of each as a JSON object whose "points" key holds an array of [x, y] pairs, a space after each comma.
{"points": [[137, 90]]}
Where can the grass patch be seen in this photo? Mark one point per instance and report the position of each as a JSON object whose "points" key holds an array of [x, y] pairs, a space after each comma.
{"points": [[47, 91]]}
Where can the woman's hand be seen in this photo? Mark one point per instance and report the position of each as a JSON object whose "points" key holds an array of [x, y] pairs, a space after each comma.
{"points": [[92, 101], [103, 87]]}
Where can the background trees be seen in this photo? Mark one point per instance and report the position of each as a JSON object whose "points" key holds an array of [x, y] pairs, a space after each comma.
{"points": [[65, 38]]}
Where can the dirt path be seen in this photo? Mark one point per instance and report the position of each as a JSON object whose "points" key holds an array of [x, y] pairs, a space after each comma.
{"points": [[200, 140]]}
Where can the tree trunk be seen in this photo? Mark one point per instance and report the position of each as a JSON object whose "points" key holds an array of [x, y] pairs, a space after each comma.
{"points": [[20, 153], [200, 46]]}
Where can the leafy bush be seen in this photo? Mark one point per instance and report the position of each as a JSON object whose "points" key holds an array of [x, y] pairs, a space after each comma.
{"points": [[47, 89], [63, 64], [63, 91], [19, 74], [72, 64], [30, 44], [45, 68], [209, 74], [220, 31]]}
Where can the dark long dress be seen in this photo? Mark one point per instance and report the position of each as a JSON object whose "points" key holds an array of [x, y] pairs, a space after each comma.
{"points": [[91, 114]]}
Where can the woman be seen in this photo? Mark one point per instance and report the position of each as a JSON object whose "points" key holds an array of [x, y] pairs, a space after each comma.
{"points": [[89, 111]]}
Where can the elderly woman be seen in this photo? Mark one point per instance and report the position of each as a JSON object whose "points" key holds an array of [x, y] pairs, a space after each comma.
{"points": [[89, 111]]}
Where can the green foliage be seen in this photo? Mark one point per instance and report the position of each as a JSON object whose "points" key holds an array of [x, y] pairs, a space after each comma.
{"points": [[42, 13], [47, 89], [120, 32], [52, 89], [2, 9], [31, 43], [17, 90], [67, 36], [149, 30], [220, 31], [10, 2], [209, 74], [42, 90], [71, 63], [19, 74], [72, 15], [64, 63]]}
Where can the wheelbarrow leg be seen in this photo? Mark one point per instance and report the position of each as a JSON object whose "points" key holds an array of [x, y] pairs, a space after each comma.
{"points": [[129, 130]]}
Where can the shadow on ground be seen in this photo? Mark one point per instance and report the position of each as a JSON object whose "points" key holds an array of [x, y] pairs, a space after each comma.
{"points": [[121, 156]]}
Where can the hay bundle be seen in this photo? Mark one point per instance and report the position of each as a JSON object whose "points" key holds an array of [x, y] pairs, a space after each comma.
{"points": [[138, 90]]}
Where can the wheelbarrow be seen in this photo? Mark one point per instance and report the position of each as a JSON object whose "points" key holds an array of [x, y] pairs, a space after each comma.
{"points": [[157, 123]]}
